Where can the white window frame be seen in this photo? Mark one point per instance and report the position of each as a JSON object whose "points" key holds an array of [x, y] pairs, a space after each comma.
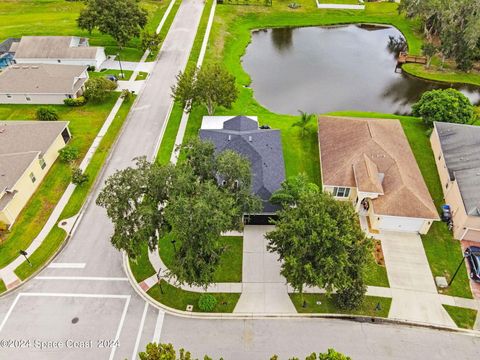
{"points": [[42, 162], [32, 177], [341, 192]]}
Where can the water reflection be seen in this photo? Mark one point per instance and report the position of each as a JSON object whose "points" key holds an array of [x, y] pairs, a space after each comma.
{"points": [[322, 69]]}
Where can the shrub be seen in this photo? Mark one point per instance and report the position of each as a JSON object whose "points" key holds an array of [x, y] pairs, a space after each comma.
{"points": [[47, 113], [78, 177], [80, 101], [127, 95], [97, 89], [207, 302], [447, 105], [68, 154]]}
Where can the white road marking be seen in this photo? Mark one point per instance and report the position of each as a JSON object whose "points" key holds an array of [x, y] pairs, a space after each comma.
{"points": [[9, 312], [66, 266], [81, 278], [158, 327], [120, 326], [165, 16], [140, 329]]}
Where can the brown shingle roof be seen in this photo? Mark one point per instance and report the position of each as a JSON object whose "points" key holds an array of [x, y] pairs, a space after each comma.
{"points": [[41, 79], [53, 47], [347, 142]]}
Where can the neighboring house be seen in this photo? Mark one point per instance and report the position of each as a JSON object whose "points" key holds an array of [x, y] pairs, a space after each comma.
{"points": [[457, 154], [67, 50], [369, 162], [6, 55], [27, 151], [262, 147], [41, 83]]}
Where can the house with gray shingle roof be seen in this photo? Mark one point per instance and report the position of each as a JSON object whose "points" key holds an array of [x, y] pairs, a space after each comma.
{"points": [[262, 147], [456, 148], [41, 83], [27, 151], [66, 50]]}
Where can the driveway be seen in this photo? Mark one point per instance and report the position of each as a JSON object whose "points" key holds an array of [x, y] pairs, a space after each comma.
{"points": [[264, 289], [414, 292]]}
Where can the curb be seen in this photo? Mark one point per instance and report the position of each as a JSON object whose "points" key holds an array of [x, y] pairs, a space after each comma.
{"points": [[252, 316]]}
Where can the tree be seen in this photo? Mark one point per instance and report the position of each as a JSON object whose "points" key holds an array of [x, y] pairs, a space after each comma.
{"points": [[292, 190], [78, 177], [429, 50], [135, 201], [305, 119], [447, 105], [331, 354], [97, 89], [151, 41], [47, 113], [156, 351], [315, 241], [210, 86], [121, 19]]}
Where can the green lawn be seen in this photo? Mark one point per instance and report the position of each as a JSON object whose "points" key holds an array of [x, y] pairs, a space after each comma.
{"points": [[58, 17], [168, 141], [349, 2], [141, 267], [376, 275], [166, 25], [327, 305], [116, 73], [463, 317], [3, 288], [179, 299], [85, 122], [56, 236], [141, 76], [230, 268]]}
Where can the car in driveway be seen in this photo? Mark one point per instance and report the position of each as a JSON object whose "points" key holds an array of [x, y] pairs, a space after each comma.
{"points": [[472, 254]]}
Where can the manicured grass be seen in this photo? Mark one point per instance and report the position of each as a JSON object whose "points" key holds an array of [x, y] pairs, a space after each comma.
{"points": [[3, 288], [463, 317], [116, 73], [58, 17], [376, 275], [328, 305], [141, 76], [85, 122], [168, 141], [141, 267], [179, 299], [230, 268], [56, 236], [349, 2], [166, 25]]}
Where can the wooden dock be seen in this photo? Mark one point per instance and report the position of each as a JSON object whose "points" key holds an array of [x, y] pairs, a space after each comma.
{"points": [[404, 58]]}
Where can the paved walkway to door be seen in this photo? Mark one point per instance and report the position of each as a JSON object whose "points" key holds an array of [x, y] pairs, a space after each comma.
{"points": [[414, 294], [264, 289]]}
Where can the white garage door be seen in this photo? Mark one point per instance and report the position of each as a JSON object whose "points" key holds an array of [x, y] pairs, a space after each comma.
{"points": [[393, 223]]}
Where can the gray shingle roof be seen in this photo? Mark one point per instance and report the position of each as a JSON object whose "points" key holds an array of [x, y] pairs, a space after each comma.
{"points": [[6, 44], [461, 151], [54, 47], [262, 147]]}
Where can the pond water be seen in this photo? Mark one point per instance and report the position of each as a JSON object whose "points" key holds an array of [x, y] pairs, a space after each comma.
{"points": [[323, 69]]}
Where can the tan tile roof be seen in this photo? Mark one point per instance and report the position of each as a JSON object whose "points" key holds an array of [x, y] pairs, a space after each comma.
{"points": [[52, 47], [20, 143], [41, 79], [357, 146]]}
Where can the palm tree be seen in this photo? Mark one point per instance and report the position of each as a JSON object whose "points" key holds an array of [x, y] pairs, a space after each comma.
{"points": [[305, 118]]}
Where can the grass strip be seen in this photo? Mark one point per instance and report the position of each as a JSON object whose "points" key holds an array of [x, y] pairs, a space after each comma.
{"points": [[463, 317], [323, 304], [179, 299]]}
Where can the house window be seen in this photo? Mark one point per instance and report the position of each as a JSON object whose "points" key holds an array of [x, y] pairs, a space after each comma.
{"points": [[59, 61], [28, 98], [9, 96], [439, 156], [32, 177], [42, 163], [65, 135], [342, 192], [446, 185]]}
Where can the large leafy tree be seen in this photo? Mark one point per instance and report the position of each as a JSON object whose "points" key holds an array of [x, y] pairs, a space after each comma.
{"points": [[189, 200], [292, 190], [121, 19], [447, 105], [210, 86], [97, 89], [320, 243]]}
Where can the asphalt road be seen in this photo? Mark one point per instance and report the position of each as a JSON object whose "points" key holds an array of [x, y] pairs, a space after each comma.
{"points": [[79, 308]]}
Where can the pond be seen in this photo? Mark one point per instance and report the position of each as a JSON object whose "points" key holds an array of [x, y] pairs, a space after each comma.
{"points": [[323, 69]]}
